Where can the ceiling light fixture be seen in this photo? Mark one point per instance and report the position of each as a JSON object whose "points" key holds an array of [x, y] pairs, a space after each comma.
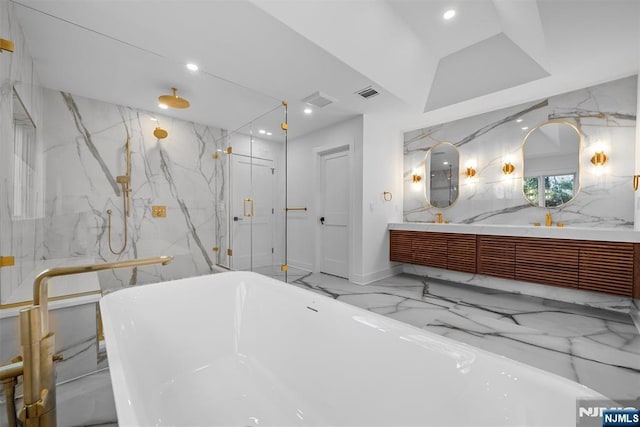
{"points": [[449, 14], [192, 67], [308, 111], [173, 101]]}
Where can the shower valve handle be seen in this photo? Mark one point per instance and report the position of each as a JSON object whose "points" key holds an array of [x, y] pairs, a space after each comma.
{"points": [[322, 220]]}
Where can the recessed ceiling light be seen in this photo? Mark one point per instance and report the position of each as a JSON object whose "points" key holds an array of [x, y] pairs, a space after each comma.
{"points": [[191, 66], [262, 131], [163, 106], [449, 14], [269, 134], [519, 120], [525, 128], [308, 111]]}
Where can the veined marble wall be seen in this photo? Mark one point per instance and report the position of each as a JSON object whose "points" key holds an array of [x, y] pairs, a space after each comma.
{"points": [[85, 152], [20, 235], [606, 117]]}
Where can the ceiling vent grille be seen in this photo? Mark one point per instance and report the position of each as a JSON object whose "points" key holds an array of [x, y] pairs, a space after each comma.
{"points": [[319, 99], [367, 92]]}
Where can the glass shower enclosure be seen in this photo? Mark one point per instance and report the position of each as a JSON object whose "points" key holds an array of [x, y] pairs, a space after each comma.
{"points": [[256, 163]]}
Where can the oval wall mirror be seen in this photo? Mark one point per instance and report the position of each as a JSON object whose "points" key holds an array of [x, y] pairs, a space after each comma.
{"points": [[551, 159], [442, 164]]}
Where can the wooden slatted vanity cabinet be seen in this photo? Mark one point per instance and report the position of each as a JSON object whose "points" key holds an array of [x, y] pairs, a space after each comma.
{"points": [[556, 257]]}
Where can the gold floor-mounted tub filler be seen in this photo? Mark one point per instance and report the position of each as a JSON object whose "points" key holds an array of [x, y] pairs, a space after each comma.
{"points": [[38, 348]]}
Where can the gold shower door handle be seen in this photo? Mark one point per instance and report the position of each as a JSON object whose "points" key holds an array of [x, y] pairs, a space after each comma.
{"points": [[244, 207]]}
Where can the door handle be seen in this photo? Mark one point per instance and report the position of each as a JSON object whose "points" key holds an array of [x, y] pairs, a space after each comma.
{"points": [[244, 207], [322, 220]]}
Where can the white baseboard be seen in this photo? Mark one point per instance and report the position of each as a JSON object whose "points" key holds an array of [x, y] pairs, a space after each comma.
{"points": [[365, 279]]}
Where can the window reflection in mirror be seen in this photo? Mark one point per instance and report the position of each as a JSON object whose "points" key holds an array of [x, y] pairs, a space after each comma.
{"points": [[442, 164], [551, 153]]}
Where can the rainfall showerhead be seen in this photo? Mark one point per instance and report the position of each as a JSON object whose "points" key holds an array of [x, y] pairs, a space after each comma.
{"points": [[173, 101], [160, 133]]}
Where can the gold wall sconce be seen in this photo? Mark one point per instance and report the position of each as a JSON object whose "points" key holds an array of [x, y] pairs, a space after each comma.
{"points": [[636, 182], [599, 158], [416, 178], [471, 172], [508, 168], [6, 45]]}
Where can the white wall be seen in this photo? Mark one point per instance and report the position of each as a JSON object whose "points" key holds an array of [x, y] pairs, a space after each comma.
{"points": [[304, 188], [376, 166], [381, 171]]}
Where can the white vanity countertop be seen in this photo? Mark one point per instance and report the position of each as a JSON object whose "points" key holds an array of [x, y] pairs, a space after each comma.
{"points": [[566, 232]]}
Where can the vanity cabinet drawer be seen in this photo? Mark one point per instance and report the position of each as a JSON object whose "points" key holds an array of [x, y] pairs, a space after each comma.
{"points": [[401, 246], [441, 250], [550, 262], [430, 249], [607, 267], [461, 252], [497, 256]]}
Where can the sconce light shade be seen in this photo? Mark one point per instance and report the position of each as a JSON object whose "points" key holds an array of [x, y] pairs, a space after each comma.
{"points": [[415, 178], [508, 168], [599, 158], [471, 172]]}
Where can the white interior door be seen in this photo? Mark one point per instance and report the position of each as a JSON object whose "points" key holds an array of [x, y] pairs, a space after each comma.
{"points": [[334, 213], [252, 212]]}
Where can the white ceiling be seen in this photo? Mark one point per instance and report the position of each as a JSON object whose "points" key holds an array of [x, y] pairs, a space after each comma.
{"points": [[253, 54]]}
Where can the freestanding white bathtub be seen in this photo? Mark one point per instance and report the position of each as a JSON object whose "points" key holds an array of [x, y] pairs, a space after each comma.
{"points": [[241, 349]]}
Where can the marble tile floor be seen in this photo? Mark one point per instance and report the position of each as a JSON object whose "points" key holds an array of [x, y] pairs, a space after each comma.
{"points": [[595, 347]]}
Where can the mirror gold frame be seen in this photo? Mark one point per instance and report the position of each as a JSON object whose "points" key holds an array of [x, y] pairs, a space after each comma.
{"points": [[579, 171], [427, 174]]}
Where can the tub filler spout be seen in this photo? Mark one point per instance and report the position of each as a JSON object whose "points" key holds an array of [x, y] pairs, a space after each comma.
{"points": [[38, 344]]}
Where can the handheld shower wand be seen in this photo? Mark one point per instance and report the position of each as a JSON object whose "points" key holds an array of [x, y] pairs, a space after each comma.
{"points": [[125, 182]]}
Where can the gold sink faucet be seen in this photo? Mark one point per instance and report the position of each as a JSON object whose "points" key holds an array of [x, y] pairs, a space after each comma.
{"points": [[439, 218], [548, 220]]}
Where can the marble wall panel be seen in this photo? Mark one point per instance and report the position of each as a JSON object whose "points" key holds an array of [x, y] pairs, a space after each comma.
{"points": [[85, 152], [605, 115]]}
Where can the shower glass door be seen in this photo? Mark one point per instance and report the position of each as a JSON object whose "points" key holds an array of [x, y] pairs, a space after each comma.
{"points": [[256, 194]]}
